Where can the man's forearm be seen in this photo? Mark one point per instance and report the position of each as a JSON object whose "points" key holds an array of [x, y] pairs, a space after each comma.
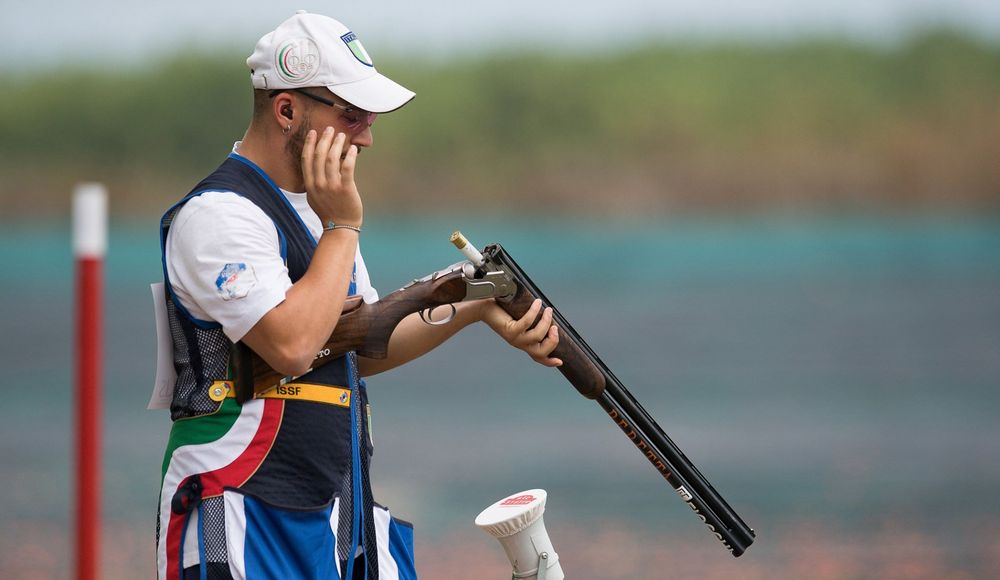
{"points": [[414, 338], [289, 336]]}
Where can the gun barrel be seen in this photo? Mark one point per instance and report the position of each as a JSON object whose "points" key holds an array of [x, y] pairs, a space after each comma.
{"points": [[635, 422], [676, 468]]}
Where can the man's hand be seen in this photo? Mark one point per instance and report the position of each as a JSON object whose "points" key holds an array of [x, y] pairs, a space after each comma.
{"points": [[290, 334], [329, 179], [538, 341]]}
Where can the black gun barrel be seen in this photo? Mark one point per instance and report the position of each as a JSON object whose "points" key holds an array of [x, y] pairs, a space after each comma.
{"points": [[642, 429]]}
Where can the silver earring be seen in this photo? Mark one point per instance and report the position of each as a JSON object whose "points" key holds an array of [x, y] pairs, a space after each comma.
{"points": [[286, 129]]}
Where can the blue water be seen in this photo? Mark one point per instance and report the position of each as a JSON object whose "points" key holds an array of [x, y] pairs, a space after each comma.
{"points": [[843, 369]]}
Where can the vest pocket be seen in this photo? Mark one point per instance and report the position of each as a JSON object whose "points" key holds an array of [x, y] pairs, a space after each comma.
{"points": [[264, 540], [395, 546]]}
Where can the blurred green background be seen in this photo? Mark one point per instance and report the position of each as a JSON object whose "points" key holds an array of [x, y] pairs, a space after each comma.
{"points": [[800, 126], [787, 244]]}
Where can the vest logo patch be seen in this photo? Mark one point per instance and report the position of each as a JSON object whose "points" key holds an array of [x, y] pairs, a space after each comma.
{"points": [[235, 281]]}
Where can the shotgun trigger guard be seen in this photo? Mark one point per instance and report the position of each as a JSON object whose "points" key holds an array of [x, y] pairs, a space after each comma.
{"points": [[427, 315]]}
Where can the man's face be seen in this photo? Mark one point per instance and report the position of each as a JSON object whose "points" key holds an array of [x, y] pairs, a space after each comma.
{"points": [[328, 109], [317, 114]]}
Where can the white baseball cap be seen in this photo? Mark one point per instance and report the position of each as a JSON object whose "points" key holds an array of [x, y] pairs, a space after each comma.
{"points": [[311, 50]]}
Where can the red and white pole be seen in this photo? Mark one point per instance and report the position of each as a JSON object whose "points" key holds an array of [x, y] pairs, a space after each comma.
{"points": [[90, 242]]}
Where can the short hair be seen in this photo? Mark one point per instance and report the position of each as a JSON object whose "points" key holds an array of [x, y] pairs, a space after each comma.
{"points": [[261, 103]]}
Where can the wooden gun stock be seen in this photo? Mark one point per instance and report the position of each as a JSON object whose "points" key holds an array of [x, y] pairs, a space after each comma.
{"points": [[362, 327]]}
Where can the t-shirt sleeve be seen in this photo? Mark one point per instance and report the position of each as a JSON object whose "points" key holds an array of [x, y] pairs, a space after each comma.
{"points": [[224, 261]]}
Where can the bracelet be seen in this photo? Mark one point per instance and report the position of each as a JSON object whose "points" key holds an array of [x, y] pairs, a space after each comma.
{"points": [[332, 226]]}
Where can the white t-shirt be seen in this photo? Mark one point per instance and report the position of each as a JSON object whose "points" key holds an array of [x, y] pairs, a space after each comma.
{"points": [[224, 261]]}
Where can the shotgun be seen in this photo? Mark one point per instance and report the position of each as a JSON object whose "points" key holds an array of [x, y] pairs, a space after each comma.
{"points": [[493, 273], [365, 328]]}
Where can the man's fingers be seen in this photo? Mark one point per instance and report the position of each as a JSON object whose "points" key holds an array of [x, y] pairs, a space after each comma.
{"points": [[319, 157], [347, 166], [538, 341], [549, 362], [333, 159], [540, 330], [548, 344], [545, 348], [307, 155], [524, 323], [523, 333]]}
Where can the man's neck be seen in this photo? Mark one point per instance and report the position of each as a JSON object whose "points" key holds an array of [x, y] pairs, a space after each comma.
{"points": [[271, 157]]}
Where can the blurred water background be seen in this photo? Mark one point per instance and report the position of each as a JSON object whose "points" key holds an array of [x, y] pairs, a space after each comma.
{"points": [[786, 245], [833, 375]]}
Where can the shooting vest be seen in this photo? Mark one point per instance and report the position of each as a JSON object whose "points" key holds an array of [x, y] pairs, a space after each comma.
{"points": [[266, 481]]}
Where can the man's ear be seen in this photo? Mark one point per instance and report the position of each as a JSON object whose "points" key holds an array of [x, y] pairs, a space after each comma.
{"points": [[283, 109]]}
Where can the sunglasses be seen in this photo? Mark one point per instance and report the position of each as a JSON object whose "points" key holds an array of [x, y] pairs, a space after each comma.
{"points": [[356, 119]]}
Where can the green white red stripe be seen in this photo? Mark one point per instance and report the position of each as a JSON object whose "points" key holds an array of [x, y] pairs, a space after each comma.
{"points": [[228, 460]]}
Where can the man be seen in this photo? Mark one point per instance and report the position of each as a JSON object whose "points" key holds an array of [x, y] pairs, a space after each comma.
{"points": [[264, 251]]}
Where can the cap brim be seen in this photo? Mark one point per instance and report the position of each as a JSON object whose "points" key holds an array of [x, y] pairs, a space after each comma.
{"points": [[377, 93]]}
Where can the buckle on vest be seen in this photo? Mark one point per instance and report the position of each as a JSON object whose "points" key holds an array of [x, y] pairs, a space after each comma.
{"points": [[219, 390]]}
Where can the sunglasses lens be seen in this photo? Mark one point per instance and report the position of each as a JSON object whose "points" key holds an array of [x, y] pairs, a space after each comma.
{"points": [[358, 120]]}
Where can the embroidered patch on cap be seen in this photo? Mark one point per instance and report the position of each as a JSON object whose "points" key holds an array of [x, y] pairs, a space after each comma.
{"points": [[297, 60], [235, 281], [359, 52]]}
